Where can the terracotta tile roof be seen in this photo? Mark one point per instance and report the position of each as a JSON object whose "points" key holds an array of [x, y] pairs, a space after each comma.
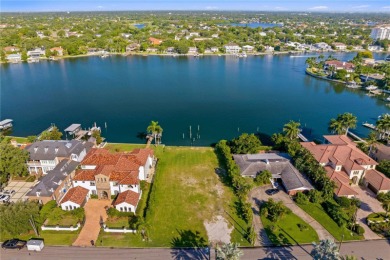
{"points": [[128, 196], [125, 178], [76, 195], [155, 41], [341, 180], [378, 180], [340, 64], [84, 175]]}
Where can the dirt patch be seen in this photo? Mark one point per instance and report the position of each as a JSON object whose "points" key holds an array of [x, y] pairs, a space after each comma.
{"points": [[218, 230]]}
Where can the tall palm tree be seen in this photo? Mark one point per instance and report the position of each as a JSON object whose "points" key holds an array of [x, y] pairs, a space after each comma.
{"points": [[229, 252], [383, 125], [371, 141], [291, 129], [336, 127], [349, 121], [156, 130]]}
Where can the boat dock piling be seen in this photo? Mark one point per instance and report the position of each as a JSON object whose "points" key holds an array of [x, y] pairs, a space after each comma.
{"points": [[302, 137]]}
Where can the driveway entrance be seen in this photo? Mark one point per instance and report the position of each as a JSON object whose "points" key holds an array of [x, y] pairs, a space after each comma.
{"points": [[94, 213]]}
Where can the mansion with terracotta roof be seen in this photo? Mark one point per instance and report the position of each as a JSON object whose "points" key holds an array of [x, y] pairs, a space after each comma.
{"points": [[105, 174], [346, 165]]}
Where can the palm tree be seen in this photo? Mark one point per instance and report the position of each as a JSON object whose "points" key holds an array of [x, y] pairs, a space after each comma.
{"points": [[291, 129], [326, 249], [383, 125], [349, 121], [229, 252], [311, 62], [336, 127], [156, 130], [371, 141]]}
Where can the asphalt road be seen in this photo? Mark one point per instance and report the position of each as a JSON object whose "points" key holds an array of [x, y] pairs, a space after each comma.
{"points": [[376, 250]]}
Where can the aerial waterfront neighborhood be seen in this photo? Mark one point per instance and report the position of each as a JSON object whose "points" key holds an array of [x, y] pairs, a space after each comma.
{"points": [[174, 133]]}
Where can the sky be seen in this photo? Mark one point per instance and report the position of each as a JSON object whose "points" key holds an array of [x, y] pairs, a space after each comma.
{"points": [[218, 5]]}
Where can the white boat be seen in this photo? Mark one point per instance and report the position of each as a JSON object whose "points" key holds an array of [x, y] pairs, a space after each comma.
{"points": [[387, 99], [352, 84], [241, 55], [371, 87]]}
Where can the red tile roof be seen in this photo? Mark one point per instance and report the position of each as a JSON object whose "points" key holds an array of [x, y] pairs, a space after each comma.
{"points": [[378, 180], [341, 180], [155, 41], [76, 195], [128, 196]]}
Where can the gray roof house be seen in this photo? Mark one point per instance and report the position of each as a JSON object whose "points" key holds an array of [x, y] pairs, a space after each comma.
{"points": [[45, 155], [278, 164], [55, 183]]}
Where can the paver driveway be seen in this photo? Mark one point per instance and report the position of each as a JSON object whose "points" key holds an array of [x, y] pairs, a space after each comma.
{"points": [[369, 204], [258, 195], [94, 212]]}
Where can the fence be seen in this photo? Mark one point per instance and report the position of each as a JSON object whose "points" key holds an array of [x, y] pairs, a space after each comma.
{"points": [[118, 230], [61, 228]]}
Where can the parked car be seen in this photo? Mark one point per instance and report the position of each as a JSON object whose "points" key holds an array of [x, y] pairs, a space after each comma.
{"points": [[8, 192], [14, 244], [271, 192], [4, 198]]}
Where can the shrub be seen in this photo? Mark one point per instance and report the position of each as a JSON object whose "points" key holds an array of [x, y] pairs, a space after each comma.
{"points": [[276, 210], [263, 177], [359, 230], [113, 212], [47, 209], [78, 213], [315, 196], [301, 198], [334, 211], [94, 196], [343, 202], [302, 227], [113, 197]]}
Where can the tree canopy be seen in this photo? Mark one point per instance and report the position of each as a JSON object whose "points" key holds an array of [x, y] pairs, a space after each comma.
{"points": [[12, 161], [15, 217], [54, 134], [384, 167], [245, 143]]}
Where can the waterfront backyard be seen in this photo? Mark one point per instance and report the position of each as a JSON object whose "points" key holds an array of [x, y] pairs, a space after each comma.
{"points": [[186, 192]]}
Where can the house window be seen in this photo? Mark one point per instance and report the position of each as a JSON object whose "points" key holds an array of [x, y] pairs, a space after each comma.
{"points": [[75, 181], [93, 183], [94, 192], [66, 208], [125, 209], [121, 209], [129, 209]]}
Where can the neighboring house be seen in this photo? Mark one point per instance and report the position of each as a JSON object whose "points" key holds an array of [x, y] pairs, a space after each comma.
{"points": [[55, 183], [322, 46], [252, 164], [58, 50], [346, 165], [339, 65], [11, 49], [132, 47], [263, 34], [339, 46], [155, 41], [375, 48], [192, 50], [248, 48], [170, 50], [14, 58], [126, 35], [74, 198], [381, 152], [232, 48], [106, 174], [372, 77], [215, 35], [36, 53], [269, 48], [151, 50], [45, 155]]}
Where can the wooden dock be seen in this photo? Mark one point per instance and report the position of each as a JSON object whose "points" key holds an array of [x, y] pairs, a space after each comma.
{"points": [[302, 137], [356, 137], [373, 127]]}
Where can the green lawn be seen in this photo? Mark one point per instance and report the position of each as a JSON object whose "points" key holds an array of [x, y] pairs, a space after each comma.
{"points": [[124, 147], [186, 192], [19, 140], [286, 231], [317, 212], [63, 220], [117, 222]]}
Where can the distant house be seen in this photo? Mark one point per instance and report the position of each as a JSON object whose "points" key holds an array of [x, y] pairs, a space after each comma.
{"points": [[263, 34], [126, 35], [58, 50], [192, 50], [45, 155], [368, 61], [36, 53], [14, 58], [346, 165], [248, 48], [127, 201], [215, 35], [155, 41], [170, 50], [322, 46], [151, 50], [10, 49], [40, 34], [381, 152], [252, 164], [339, 46], [232, 48], [339, 65], [372, 77], [269, 48], [375, 48], [132, 47], [199, 39], [55, 183], [74, 198]]}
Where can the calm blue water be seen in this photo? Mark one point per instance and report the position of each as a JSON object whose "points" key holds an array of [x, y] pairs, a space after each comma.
{"points": [[225, 96], [140, 26], [256, 25]]}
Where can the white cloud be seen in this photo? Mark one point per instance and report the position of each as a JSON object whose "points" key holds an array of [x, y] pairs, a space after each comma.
{"points": [[319, 8], [211, 7], [386, 7], [99, 6], [360, 6], [280, 8]]}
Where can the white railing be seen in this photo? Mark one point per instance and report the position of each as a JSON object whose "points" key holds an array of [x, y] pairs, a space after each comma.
{"points": [[61, 228], [118, 230]]}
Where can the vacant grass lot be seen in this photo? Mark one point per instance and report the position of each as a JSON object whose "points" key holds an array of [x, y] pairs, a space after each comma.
{"points": [[318, 213], [287, 230], [186, 192], [51, 238]]}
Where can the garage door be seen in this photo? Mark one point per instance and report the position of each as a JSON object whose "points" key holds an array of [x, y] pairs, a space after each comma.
{"points": [[372, 188]]}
